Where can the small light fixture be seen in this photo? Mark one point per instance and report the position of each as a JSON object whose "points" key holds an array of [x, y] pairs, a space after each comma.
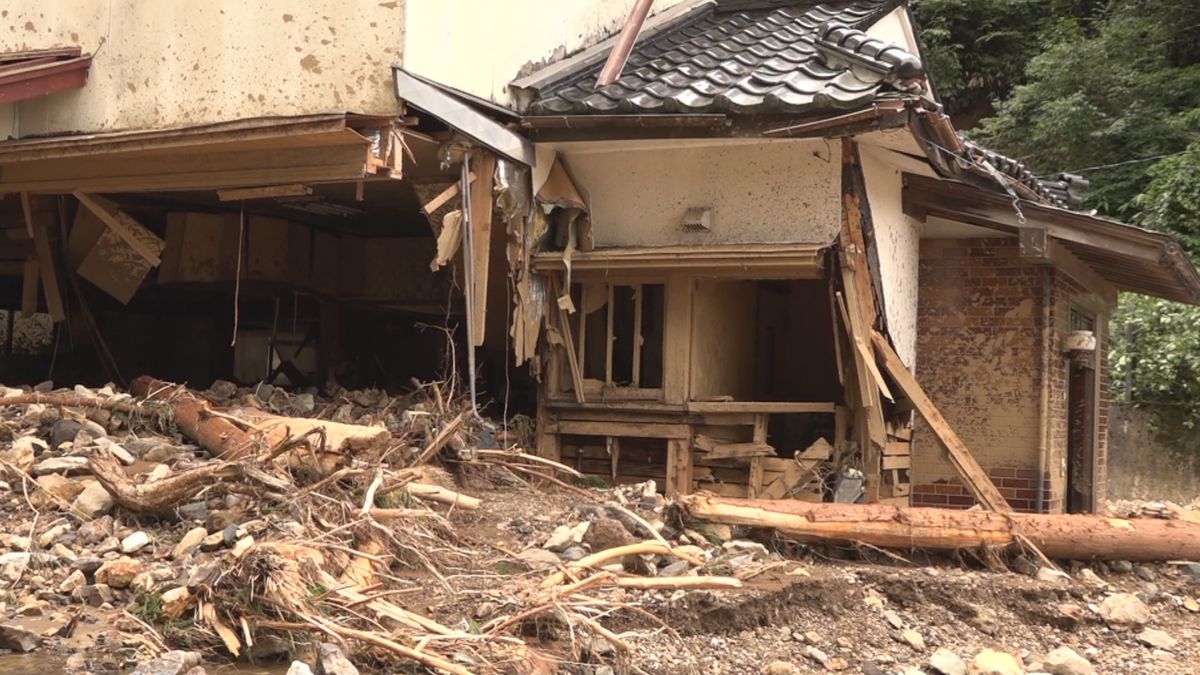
{"points": [[1080, 341], [697, 219]]}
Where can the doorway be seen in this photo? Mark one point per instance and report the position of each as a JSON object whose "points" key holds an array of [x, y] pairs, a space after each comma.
{"points": [[1081, 423]]}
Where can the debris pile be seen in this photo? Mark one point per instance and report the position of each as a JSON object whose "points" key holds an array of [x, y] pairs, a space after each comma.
{"points": [[177, 528]]}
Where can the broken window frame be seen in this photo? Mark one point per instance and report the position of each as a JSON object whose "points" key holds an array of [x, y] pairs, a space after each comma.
{"points": [[606, 389]]}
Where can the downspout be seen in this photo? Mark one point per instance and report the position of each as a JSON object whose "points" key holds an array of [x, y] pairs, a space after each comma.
{"points": [[1044, 414]]}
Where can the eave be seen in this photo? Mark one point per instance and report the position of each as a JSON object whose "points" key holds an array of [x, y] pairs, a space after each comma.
{"points": [[25, 75], [1128, 257]]}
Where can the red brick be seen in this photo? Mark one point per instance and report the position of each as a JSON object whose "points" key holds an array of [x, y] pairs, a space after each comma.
{"points": [[961, 500], [1002, 472]]}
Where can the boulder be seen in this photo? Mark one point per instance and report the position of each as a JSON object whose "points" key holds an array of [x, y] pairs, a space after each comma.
{"points": [[331, 661], [170, 663], [94, 501], [1065, 661], [1152, 637], [17, 639], [118, 573], [606, 533], [1124, 609], [947, 662], [992, 662]]}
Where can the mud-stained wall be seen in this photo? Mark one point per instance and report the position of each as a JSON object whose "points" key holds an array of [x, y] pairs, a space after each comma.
{"points": [[979, 349], [759, 192], [897, 240], [479, 46], [1148, 462], [162, 64]]}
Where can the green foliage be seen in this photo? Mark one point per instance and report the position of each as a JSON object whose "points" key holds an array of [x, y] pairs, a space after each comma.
{"points": [[1158, 361]]}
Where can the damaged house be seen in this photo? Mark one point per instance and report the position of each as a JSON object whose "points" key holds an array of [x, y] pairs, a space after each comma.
{"points": [[756, 260]]}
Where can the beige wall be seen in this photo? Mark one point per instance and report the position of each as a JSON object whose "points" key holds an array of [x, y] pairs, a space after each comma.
{"points": [[479, 46], [173, 63], [759, 191], [897, 239], [724, 328]]}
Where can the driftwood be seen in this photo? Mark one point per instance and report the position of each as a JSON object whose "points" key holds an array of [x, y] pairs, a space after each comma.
{"points": [[214, 433], [437, 493], [157, 497], [1065, 537]]}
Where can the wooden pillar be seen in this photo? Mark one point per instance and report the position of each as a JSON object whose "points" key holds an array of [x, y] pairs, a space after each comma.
{"points": [[754, 485], [679, 467]]}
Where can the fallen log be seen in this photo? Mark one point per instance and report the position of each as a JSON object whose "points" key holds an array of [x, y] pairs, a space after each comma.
{"points": [[191, 413], [1060, 536], [157, 497], [438, 493]]}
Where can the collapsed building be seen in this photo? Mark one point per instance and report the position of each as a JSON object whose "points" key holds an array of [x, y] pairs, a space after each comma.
{"points": [[758, 260]]}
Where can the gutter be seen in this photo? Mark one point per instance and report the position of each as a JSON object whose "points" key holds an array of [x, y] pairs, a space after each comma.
{"points": [[1044, 397]]}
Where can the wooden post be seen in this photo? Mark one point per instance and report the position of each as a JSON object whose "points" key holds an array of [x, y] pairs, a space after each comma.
{"points": [[548, 445], [754, 485], [481, 230], [29, 288], [679, 467], [964, 463], [39, 221]]}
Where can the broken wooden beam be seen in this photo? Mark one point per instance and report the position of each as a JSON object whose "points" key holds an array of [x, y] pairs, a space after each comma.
{"points": [[39, 223], [973, 475], [1059, 536], [194, 418]]}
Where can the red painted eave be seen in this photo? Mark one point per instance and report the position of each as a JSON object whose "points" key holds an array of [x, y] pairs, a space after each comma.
{"points": [[38, 73]]}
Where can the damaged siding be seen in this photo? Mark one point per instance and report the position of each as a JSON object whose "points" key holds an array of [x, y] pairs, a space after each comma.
{"points": [[164, 64], [898, 243], [775, 192]]}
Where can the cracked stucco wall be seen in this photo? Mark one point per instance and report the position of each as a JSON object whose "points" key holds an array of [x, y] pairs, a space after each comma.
{"points": [[165, 64]]}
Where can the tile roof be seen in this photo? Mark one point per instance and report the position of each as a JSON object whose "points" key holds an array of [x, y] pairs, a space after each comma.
{"points": [[796, 58], [1064, 190]]}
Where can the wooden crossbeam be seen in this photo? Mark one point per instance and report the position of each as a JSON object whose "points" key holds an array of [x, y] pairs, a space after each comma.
{"points": [[961, 459]]}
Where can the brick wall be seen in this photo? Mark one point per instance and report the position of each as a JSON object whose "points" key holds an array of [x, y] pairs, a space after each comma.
{"points": [[981, 321], [1018, 485]]}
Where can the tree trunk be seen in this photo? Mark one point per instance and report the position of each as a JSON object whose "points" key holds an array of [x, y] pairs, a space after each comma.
{"points": [[191, 413], [1067, 537]]}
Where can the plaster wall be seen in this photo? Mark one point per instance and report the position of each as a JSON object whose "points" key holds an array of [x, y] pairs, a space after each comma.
{"points": [[897, 240], [759, 191], [164, 64]]}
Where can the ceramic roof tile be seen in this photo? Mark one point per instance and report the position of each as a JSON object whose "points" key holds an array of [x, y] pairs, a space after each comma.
{"points": [[798, 57]]}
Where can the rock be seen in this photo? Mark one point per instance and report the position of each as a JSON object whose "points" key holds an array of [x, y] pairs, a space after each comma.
{"points": [[135, 542], [1144, 573], [574, 553], [96, 530], [171, 663], [189, 543], [1191, 571], [64, 431], [17, 639], [606, 533], [87, 565], [1152, 637], [719, 530], [894, 620], [816, 654], [754, 548], [1023, 565], [94, 501], [61, 487], [75, 580], [780, 668], [1065, 661], [299, 668], [913, 639], [674, 568], [198, 670], [1051, 575], [197, 511], [76, 663], [270, 648], [991, 662], [1124, 609], [116, 450], [118, 573], [65, 465], [1120, 566], [947, 662], [47, 538], [159, 472], [559, 540], [538, 557], [1089, 578], [331, 661], [220, 519]]}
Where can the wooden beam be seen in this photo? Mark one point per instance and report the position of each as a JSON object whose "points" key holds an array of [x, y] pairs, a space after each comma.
{"points": [[568, 342], [481, 238], [445, 195], [29, 288], [854, 246], [266, 192], [140, 239], [679, 467], [778, 407], [627, 429], [975, 478], [39, 222]]}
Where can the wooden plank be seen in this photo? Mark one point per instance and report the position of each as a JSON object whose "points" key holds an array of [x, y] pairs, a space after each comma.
{"points": [[614, 448], [265, 192], [893, 448], [141, 240], [39, 221], [854, 247], [964, 463], [481, 239], [677, 338], [564, 335], [902, 489], [897, 462], [778, 407], [29, 288], [637, 335], [628, 429], [608, 345], [755, 483], [740, 451]]}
